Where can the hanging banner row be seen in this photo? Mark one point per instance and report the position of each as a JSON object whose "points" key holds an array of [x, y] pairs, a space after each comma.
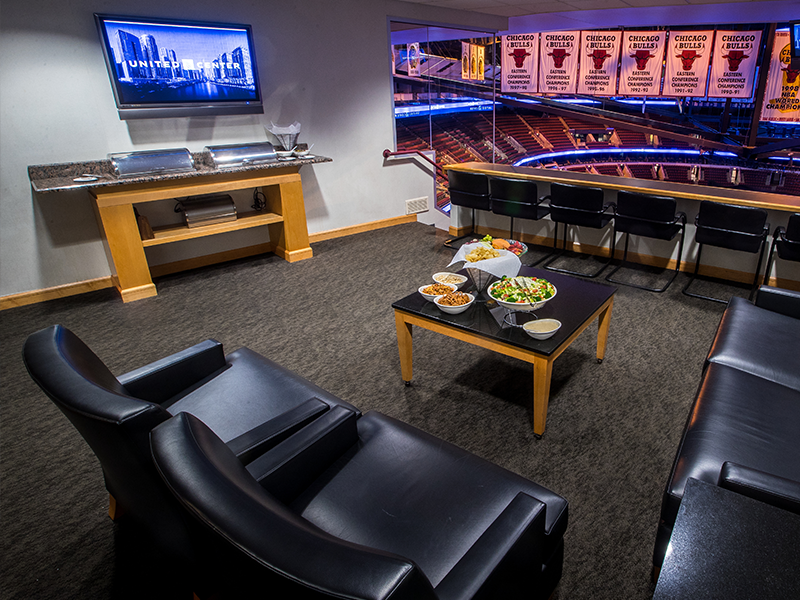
{"points": [[590, 62]]}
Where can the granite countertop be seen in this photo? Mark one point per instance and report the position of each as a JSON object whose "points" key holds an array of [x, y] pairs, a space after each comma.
{"points": [[60, 177]]}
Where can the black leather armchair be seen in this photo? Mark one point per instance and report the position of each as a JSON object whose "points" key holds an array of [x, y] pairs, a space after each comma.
{"points": [[248, 400], [360, 507]]}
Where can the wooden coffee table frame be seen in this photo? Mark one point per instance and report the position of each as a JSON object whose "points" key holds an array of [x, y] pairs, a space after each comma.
{"points": [[542, 364]]}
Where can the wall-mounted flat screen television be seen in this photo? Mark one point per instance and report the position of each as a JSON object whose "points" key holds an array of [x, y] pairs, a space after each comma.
{"points": [[172, 68], [794, 35]]}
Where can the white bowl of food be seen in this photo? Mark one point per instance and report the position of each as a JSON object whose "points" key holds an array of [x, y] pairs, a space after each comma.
{"points": [[522, 293], [429, 292], [455, 302], [542, 329], [450, 278]]}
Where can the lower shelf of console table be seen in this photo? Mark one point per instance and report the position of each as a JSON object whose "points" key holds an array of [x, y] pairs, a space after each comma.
{"points": [[284, 217]]}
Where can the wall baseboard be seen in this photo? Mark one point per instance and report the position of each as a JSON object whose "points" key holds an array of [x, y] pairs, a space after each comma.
{"points": [[59, 291], [91, 285]]}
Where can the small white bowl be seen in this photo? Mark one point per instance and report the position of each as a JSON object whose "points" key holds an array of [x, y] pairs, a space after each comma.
{"points": [[284, 153], [542, 329], [301, 153], [430, 297], [462, 279], [454, 310]]}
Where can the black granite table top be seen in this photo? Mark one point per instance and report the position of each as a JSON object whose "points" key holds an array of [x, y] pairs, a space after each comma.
{"points": [[72, 176], [728, 546], [575, 301]]}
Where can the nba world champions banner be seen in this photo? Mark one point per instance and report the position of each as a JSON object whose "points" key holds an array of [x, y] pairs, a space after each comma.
{"points": [[599, 61], [733, 66], [520, 63], [466, 57], [780, 97], [413, 59], [642, 55], [558, 60], [688, 54]]}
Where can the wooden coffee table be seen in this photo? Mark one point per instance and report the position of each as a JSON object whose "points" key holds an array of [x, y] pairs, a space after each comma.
{"points": [[577, 304]]}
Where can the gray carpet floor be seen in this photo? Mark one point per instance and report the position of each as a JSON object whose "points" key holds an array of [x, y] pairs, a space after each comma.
{"points": [[612, 428]]}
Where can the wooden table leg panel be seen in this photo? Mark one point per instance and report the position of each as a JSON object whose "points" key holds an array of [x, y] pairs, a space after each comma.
{"points": [[603, 324], [405, 346], [542, 374]]}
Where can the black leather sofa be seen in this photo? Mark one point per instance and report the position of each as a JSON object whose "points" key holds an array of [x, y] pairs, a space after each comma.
{"points": [[261, 481], [742, 431], [248, 400], [363, 507]]}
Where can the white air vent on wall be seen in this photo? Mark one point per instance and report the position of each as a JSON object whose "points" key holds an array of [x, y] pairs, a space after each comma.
{"points": [[417, 205]]}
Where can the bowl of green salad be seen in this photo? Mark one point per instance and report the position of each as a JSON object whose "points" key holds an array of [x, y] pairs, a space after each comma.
{"points": [[522, 293]]}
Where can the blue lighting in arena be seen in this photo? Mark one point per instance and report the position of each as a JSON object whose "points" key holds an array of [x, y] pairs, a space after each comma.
{"points": [[401, 112], [567, 153]]}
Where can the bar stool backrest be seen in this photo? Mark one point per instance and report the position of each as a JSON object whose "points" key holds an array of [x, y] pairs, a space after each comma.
{"points": [[642, 214], [730, 226], [577, 205], [788, 244], [793, 228], [516, 198], [470, 190]]}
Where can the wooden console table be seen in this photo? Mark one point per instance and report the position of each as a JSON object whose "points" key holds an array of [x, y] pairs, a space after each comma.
{"points": [[114, 201]]}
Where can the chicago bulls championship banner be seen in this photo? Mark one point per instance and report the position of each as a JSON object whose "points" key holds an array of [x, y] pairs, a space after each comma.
{"points": [[688, 54], [733, 66], [558, 60], [781, 101], [466, 57], [642, 55], [413, 59], [479, 53], [520, 63], [599, 61]]}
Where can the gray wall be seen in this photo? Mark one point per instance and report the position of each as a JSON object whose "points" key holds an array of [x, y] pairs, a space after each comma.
{"points": [[324, 64]]}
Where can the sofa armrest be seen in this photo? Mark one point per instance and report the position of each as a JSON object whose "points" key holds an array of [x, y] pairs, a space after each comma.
{"points": [[759, 485], [785, 302], [161, 380], [248, 446], [512, 546], [291, 466]]}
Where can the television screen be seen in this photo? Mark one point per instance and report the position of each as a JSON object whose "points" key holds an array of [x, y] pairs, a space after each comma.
{"points": [[168, 68], [794, 34]]}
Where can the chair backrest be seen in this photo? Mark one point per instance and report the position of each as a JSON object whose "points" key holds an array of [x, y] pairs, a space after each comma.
{"points": [[645, 215], [253, 542], [513, 190], [470, 190], [793, 228], [577, 205], [576, 197], [114, 424], [644, 206], [731, 226]]}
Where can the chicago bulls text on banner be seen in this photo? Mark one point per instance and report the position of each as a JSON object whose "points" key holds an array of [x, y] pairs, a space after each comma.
{"points": [[733, 65], [781, 101], [599, 61], [413, 59], [558, 62], [642, 55], [466, 56], [520, 63], [688, 54]]}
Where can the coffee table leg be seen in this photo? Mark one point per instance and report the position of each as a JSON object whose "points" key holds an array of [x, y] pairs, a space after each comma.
{"points": [[404, 345], [542, 372], [603, 323]]}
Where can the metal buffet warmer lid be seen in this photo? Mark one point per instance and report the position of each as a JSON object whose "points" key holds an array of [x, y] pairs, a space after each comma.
{"points": [[151, 162], [242, 155]]}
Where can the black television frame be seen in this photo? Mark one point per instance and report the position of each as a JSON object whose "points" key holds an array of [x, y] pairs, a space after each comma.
{"points": [[133, 110], [794, 36]]}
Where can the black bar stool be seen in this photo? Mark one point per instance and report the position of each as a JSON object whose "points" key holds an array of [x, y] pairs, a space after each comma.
{"points": [[470, 190], [786, 242], [742, 228], [648, 216], [583, 207], [517, 198]]}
